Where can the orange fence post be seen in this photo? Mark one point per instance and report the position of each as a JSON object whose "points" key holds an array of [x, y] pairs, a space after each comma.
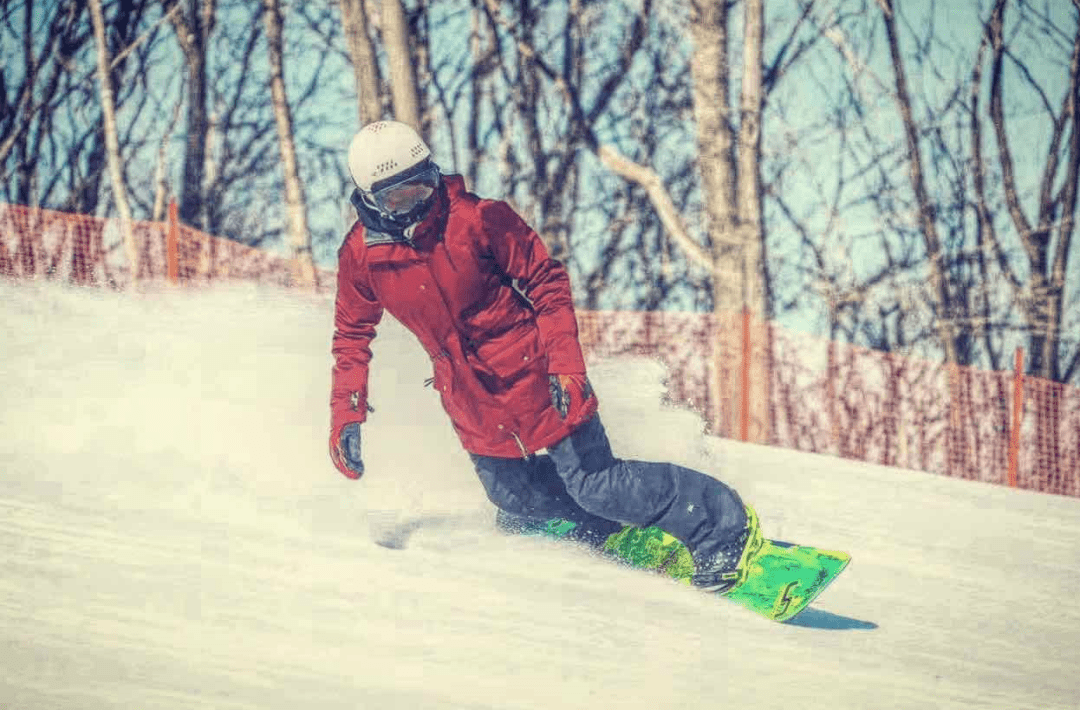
{"points": [[1017, 415], [172, 239], [954, 439], [830, 394], [744, 384]]}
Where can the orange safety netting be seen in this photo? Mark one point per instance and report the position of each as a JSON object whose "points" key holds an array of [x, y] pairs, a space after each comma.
{"points": [[755, 381], [840, 399], [85, 250]]}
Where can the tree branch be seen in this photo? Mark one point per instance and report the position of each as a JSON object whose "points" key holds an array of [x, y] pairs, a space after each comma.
{"points": [[661, 200]]}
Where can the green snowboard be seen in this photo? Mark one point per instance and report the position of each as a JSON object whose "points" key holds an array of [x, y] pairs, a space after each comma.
{"points": [[782, 580]]}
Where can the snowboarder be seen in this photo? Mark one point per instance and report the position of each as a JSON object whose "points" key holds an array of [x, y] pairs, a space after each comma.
{"points": [[493, 310]]}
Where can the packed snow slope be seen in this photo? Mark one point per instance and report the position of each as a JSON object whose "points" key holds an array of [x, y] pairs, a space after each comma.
{"points": [[173, 535]]}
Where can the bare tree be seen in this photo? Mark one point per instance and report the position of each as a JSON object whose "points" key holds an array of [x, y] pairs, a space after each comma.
{"points": [[111, 141], [295, 205], [364, 59], [34, 81], [194, 24], [964, 242], [973, 245], [924, 209], [130, 44], [729, 155], [397, 39], [1047, 239]]}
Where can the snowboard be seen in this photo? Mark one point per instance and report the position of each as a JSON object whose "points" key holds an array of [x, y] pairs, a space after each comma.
{"points": [[783, 578]]}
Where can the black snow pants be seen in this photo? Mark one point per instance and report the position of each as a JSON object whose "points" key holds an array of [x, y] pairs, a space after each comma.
{"points": [[581, 480]]}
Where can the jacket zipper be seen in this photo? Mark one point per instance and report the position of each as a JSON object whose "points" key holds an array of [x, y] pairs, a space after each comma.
{"points": [[524, 452]]}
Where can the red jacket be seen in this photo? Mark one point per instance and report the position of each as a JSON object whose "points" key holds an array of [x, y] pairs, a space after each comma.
{"points": [[491, 346]]}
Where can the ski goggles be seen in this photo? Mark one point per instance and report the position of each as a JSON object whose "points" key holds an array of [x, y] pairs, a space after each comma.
{"points": [[402, 194]]}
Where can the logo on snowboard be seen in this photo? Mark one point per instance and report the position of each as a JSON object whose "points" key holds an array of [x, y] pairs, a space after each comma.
{"points": [[785, 600]]}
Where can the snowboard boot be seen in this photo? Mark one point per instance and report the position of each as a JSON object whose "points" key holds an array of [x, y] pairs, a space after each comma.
{"points": [[594, 535], [729, 566]]}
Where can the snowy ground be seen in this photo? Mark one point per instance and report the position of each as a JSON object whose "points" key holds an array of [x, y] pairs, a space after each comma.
{"points": [[172, 535]]}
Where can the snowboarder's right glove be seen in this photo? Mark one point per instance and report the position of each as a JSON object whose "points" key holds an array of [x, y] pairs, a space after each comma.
{"points": [[345, 452]]}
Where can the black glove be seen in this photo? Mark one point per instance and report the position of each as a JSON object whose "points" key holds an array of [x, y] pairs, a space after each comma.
{"points": [[573, 397], [347, 452]]}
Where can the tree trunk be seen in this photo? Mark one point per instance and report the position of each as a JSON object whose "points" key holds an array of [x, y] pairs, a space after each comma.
{"points": [[296, 209], [365, 64], [710, 70], [193, 29], [731, 191], [193, 187], [716, 150], [403, 84], [112, 142], [944, 324], [1069, 198], [751, 229]]}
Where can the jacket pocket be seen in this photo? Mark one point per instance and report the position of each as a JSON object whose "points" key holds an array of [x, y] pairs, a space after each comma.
{"points": [[501, 362]]}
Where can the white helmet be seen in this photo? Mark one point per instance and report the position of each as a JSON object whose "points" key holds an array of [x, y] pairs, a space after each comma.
{"points": [[382, 150]]}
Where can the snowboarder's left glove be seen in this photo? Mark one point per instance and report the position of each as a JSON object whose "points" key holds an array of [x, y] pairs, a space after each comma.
{"points": [[345, 451], [573, 397]]}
